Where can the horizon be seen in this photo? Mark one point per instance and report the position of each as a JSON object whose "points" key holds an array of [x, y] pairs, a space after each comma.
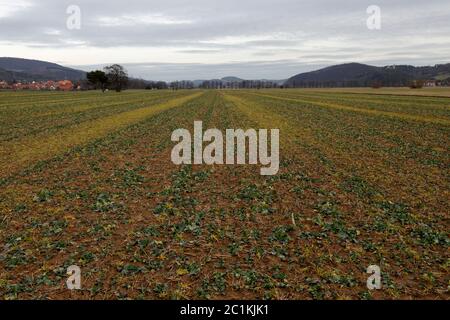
{"points": [[219, 77], [237, 75], [170, 41]]}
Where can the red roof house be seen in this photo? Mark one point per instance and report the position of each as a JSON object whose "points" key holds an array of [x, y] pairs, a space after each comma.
{"points": [[65, 85]]}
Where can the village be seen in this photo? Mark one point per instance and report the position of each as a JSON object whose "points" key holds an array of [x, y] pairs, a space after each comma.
{"points": [[68, 85], [62, 85]]}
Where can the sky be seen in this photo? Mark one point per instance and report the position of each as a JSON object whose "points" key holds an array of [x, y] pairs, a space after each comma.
{"points": [[206, 39]]}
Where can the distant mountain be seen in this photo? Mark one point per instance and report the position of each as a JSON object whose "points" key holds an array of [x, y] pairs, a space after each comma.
{"points": [[35, 70], [236, 79], [358, 75], [10, 76], [232, 79]]}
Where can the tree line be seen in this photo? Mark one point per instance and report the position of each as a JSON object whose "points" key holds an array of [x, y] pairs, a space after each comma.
{"points": [[115, 77]]}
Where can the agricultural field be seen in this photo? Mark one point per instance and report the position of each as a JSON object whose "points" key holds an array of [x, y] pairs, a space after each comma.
{"points": [[424, 92], [86, 179]]}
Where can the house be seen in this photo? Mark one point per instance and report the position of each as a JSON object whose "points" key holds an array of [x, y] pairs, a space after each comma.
{"points": [[4, 85], [50, 85], [65, 85], [35, 86], [430, 83], [18, 86]]}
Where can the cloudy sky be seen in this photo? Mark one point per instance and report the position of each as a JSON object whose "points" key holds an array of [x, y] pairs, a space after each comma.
{"points": [[202, 39]]}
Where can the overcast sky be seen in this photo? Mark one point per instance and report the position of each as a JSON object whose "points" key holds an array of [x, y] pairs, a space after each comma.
{"points": [[203, 39]]}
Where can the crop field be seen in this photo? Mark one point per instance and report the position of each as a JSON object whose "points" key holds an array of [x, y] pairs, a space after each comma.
{"points": [[87, 179]]}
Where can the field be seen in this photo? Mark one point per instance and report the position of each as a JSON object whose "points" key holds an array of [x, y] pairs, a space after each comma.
{"points": [[86, 179]]}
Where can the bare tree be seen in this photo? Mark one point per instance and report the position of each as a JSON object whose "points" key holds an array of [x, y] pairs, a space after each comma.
{"points": [[117, 77]]}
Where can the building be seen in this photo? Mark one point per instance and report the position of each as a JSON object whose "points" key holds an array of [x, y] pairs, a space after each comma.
{"points": [[430, 83], [35, 86], [4, 85], [18, 86], [50, 85], [65, 85]]}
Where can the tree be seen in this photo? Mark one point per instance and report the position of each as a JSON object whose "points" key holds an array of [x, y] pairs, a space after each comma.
{"points": [[98, 78], [417, 84], [159, 85], [117, 77]]}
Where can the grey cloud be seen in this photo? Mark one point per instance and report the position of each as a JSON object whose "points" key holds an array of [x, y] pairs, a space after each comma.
{"points": [[311, 32], [200, 51]]}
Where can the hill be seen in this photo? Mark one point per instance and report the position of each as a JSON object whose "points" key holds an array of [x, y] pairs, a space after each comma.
{"points": [[35, 70], [232, 79], [362, 75], [10, 76]]}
